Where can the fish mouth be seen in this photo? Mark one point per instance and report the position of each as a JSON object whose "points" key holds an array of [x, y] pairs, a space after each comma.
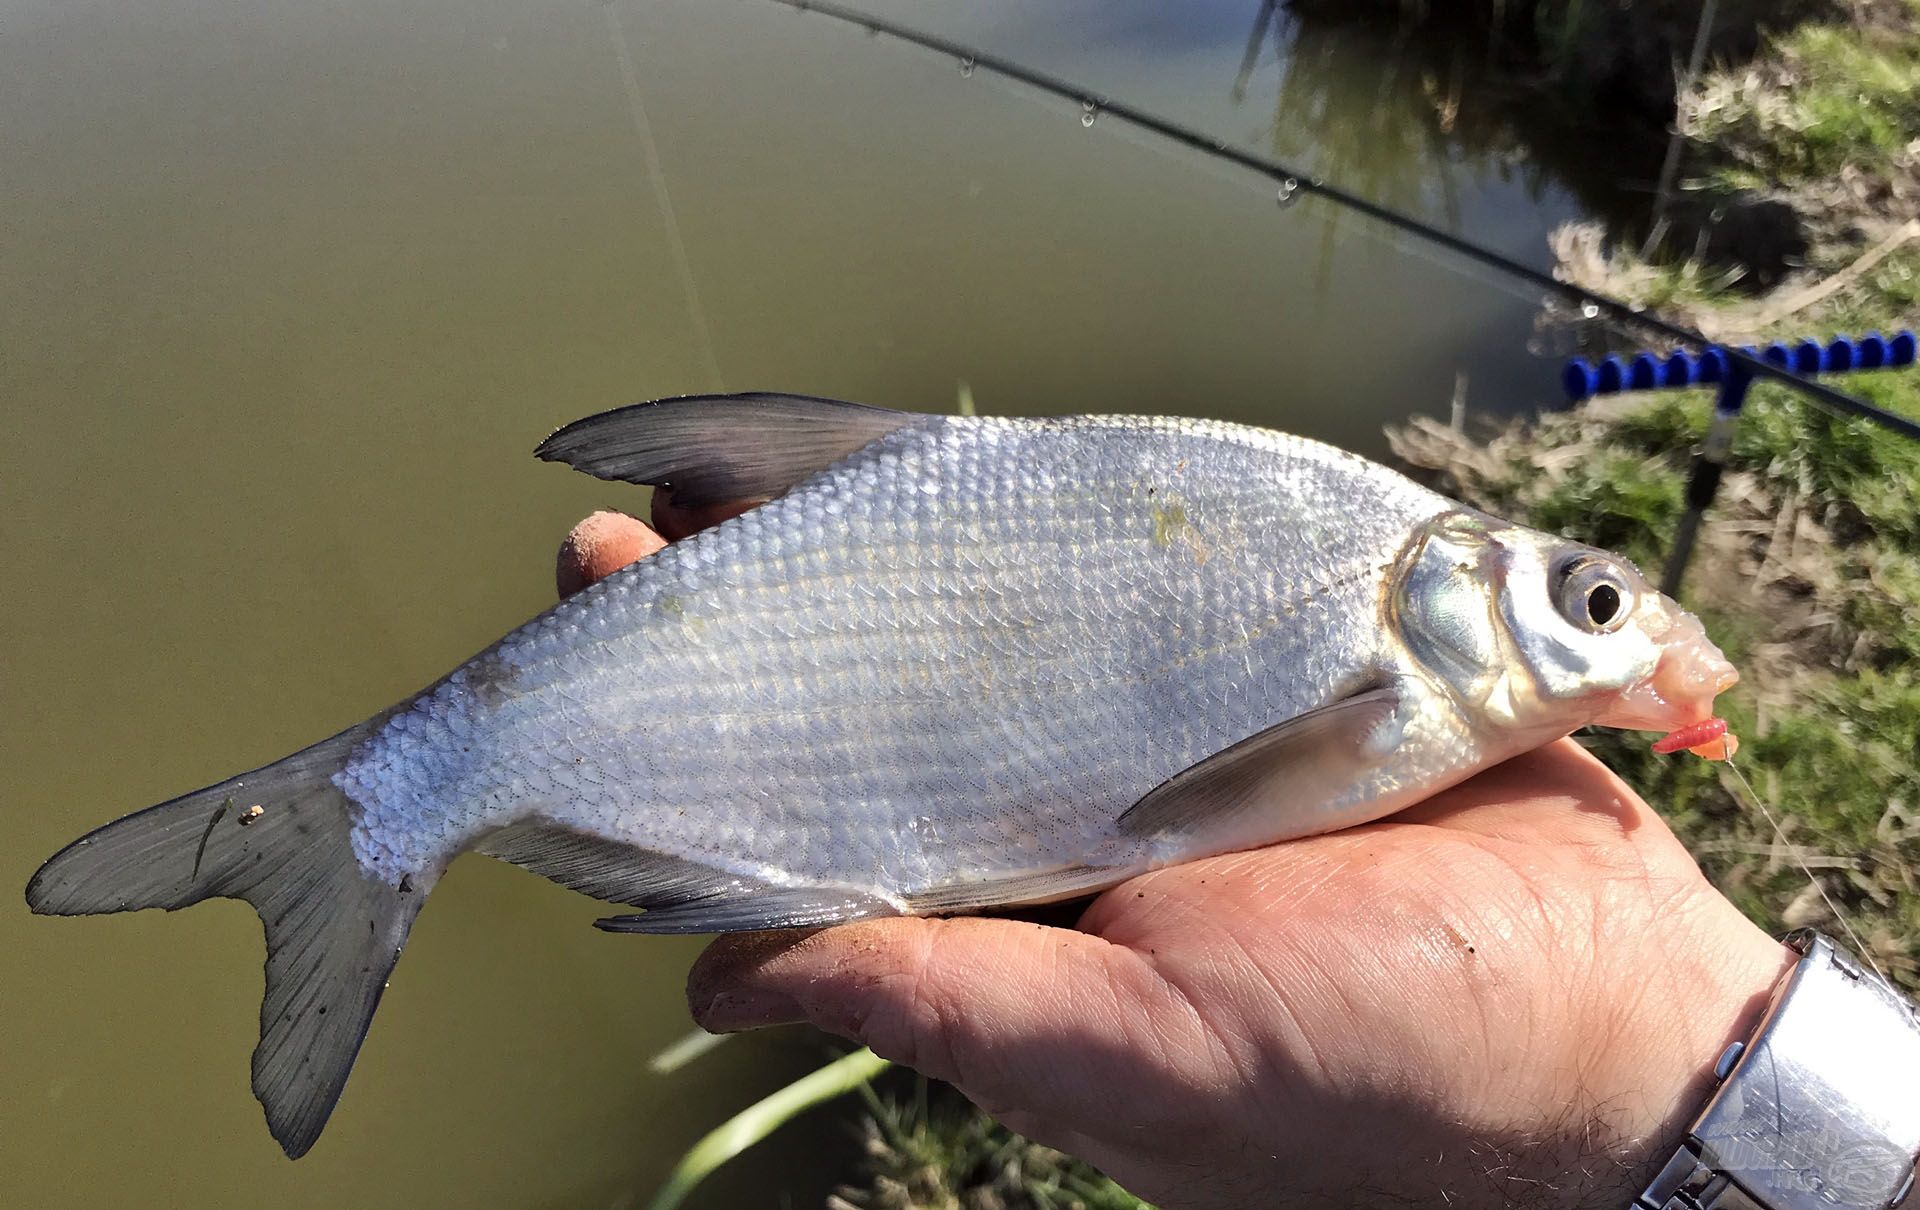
{"points": [[1691, 672]]}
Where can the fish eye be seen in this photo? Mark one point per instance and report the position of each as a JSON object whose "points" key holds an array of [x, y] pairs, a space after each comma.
{"points": [[1593, 594]]}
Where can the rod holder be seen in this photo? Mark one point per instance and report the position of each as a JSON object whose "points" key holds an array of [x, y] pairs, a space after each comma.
{"points": [[1583, 380]]}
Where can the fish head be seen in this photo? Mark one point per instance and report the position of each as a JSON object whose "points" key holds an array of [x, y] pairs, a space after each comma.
{"points": [[1532, 632]]}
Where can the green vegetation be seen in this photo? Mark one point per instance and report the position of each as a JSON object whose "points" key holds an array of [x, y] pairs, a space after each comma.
{"points": [[1810, 574], [762, 1118], [931, 1150], [1828, 98]]}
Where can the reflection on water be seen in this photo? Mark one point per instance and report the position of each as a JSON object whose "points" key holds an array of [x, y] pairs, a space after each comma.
{"points": [[287, 293], [1415, 117]]}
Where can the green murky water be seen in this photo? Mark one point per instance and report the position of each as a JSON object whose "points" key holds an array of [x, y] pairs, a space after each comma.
{"points": [[289, 291]]}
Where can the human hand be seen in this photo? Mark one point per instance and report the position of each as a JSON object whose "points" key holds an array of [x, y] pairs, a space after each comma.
{"points": [[1507, 996]]}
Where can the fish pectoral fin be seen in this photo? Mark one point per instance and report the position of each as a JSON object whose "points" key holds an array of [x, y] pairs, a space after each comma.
{"points": [[1046, 886], [778, 908], [1306, 760], [715, 448], [681, 896]]}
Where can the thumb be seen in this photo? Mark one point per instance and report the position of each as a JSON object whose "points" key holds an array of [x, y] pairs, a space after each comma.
{"points": [[599, 546], [1019, 1016]]}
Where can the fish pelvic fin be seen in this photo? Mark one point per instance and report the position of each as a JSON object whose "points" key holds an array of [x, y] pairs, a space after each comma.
{"points": [[277, 838]]}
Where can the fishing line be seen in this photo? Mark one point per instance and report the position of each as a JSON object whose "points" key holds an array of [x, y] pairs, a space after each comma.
{"points": [[1752, 796], [657, 177], [1096, 105]]}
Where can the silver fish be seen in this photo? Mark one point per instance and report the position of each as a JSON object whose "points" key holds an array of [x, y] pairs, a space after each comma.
{"points": [[954, 663]]}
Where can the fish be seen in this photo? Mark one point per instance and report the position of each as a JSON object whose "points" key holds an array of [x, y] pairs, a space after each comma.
{"points": [[950, 664]]}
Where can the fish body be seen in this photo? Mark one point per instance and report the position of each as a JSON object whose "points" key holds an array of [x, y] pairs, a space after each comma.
{"points": [[953, 663], [956, 659]]}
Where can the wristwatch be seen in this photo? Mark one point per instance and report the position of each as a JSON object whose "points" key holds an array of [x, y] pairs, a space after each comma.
{"points": [[1818, 1110]]}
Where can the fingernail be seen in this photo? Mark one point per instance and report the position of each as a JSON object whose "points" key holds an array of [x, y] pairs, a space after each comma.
{"points": [[728, 987], [730, 1010]]}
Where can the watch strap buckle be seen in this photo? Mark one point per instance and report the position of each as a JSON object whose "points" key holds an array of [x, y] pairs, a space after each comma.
{"points": [[1689, 1183]]}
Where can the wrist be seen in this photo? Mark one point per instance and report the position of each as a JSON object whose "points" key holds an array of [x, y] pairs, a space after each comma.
{"points": [[1686, 1002], [1603, 1095]]}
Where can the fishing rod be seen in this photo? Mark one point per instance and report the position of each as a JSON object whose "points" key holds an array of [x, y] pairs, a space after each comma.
{"points": [[1292, 182]]}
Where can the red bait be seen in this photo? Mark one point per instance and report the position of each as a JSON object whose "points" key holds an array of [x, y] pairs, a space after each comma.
{"points": [[1694, 736]]}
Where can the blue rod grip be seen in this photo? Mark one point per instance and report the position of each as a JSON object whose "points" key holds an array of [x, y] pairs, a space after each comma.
{"points": [[1582, 379], [1577, 379]]}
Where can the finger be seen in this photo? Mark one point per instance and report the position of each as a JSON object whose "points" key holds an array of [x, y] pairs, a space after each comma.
{"points": [[676, 522], [599, 546], [1020, 1016]]}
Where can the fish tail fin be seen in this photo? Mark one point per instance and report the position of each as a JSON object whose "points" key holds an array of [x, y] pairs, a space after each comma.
{"points": [[279, 838]]}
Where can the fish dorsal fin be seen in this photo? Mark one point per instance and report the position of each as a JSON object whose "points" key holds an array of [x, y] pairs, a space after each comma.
{"points": [[1308, 759], [714, 448]]}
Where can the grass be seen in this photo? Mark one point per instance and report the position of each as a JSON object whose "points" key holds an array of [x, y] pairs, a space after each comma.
{"points": [[1827, 97], [928, 1149], [1815, 584], [762, 1118]]}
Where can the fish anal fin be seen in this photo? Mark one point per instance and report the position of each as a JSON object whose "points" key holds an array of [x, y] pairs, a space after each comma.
{"points": [[778, 908], [716, 448], [1220, 802], [679, 895], [612, 870], [1047, 886]]}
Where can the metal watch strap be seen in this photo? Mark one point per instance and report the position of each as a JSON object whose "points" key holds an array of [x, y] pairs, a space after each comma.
{"points": [[1818, 1110]]}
